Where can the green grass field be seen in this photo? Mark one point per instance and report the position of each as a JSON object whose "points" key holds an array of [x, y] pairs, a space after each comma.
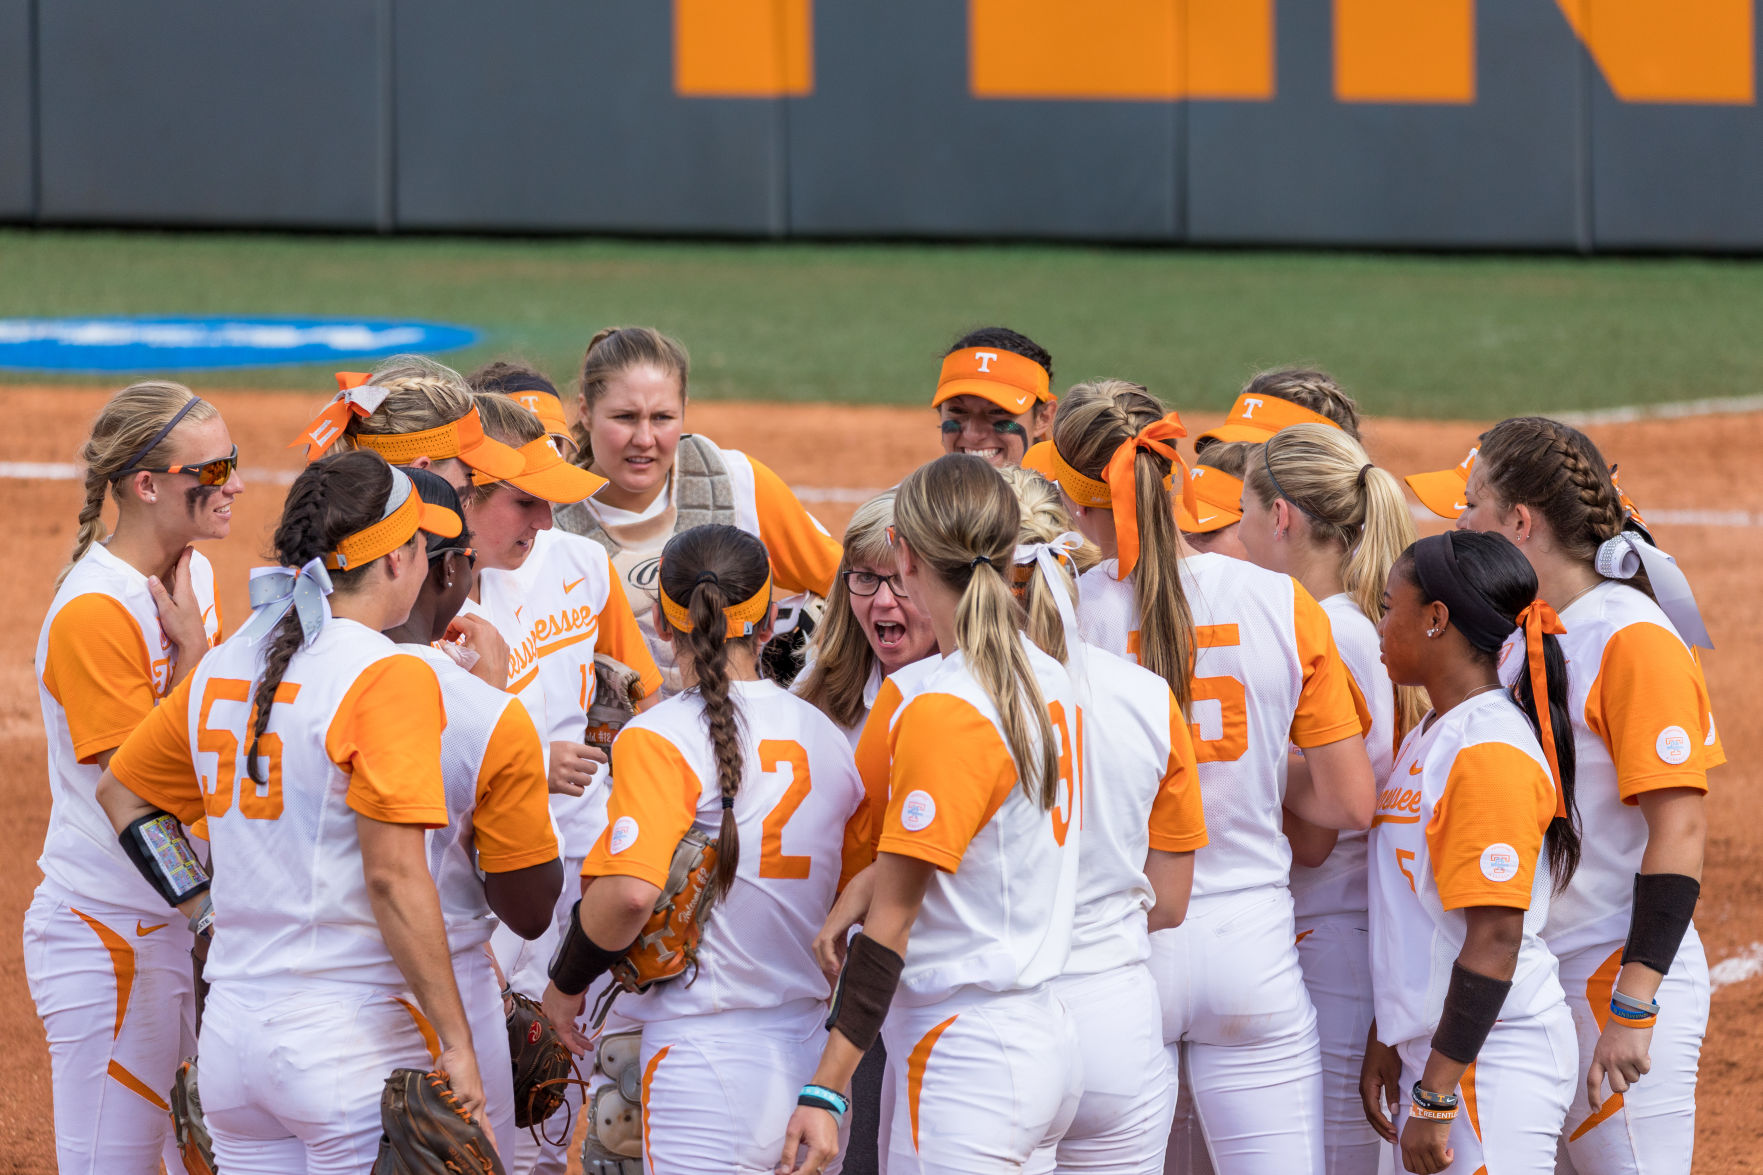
{"points": [[1466, 336]]}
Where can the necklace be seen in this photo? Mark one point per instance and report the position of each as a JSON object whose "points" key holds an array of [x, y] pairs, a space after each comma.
{"points": [[1574, 598]]}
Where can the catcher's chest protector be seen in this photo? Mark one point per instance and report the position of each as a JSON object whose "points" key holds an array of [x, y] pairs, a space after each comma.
{"points": [[702, 495]]}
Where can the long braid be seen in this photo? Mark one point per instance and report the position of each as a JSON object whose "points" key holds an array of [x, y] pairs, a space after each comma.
{"points": [[710, 665], [92, 529]]}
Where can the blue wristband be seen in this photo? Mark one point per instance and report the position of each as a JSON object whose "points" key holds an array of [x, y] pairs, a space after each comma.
{"points": [[1626, 1013], [823, 1098], [1638, 1006]]}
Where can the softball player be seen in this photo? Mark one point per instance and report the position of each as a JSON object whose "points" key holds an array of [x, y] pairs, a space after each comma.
{"points": [[1316, 508], [1141, 818], [724, 1055], [1280, 398], [1473, 830], [496, 862], [1645, 738], [333, 967], [1233, 998], [994, 398], [532, 390], [132, 616], [977, 864], [661, 482]]}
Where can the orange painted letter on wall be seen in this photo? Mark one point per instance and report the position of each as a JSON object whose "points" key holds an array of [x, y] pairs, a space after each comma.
{"points": [[1691, 51], [1120, 49], [1404, 51], [1230, 49], [743, 48]]}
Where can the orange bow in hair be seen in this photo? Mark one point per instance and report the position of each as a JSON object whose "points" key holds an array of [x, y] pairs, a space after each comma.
{"points": [[1121, 487], [328, 425], [1536, 619]]}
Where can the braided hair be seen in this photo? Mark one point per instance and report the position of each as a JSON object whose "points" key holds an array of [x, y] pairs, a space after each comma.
{"points": [[707, 569]]}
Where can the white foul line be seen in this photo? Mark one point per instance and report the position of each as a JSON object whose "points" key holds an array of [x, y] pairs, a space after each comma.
{"points": [[1677, 410], [1747, 964]]}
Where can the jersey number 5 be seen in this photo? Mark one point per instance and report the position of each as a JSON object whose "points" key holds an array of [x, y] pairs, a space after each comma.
{"points": [[1232, 699], [223, 744]]}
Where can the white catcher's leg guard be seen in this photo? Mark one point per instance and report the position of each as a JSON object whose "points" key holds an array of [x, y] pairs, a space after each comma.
{"points": [[613, 1141]]}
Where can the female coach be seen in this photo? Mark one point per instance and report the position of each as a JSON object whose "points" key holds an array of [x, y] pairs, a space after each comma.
{"points": [[132, 616], [1472, 833]]}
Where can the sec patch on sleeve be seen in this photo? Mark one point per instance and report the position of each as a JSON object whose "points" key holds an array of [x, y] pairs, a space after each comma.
{"points": [[1673, 745], [918, 810], [623, 835], [1499, 862]]}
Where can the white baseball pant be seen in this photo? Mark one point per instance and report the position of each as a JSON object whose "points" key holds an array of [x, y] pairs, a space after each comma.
{"points": [[1335, 952], [1122, 1121]]}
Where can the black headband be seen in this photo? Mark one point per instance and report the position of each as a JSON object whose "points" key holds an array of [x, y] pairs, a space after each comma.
{"points": [[141, 453], [1435, 566], [1279, 490]]}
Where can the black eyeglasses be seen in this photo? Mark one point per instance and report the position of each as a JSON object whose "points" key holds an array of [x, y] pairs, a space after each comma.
{"points": [[208, 473], [470, 554], [867, 583]]}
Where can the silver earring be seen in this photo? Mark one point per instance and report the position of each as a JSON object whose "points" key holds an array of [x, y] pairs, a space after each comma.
{"points": [[449, 583], [1433, 631]]}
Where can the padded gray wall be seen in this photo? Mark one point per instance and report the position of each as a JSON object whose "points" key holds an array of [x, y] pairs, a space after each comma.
{"points": [[559, 115], [214, 112]]}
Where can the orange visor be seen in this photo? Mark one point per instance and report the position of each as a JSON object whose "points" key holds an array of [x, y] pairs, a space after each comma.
{"points": [[1039, 459], [547, 475], [1441, 491], [405, 514], [739, 620], [1255, 418], [1117, 491], [463, 438], [548, 408], [1009, 380], [1217, 501]]}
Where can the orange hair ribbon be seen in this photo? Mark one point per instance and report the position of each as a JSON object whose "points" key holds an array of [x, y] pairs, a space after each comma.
{"points": [[1122, 485], [328, 425], [1536, 619]]}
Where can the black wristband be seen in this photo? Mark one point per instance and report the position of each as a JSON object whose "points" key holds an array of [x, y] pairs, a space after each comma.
{"points": [[579, 959], [865, 989], [1664, 903], [1472, 1004], [157, 846]]}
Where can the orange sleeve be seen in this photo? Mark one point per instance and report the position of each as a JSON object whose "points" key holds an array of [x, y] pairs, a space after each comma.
{"points": [[387, 735], [804, 558], [511, 821], [1039, 458], [859, 847], [874, 754], [654, 801], [97, 666], [154, 761], [1330, 707], [1486, 831], [1649, 704], [1178, 823], [951, 772], [620, 638]]}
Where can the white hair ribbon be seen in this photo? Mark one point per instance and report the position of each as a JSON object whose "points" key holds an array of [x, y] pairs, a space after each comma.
{"points": [[274, 590], [1625, 555], [1046, 558]]}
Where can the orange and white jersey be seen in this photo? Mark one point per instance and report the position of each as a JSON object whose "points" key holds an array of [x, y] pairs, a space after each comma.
{"points": [[493, 773], [355, 730], [1140, 792], [102, 664], [1267, 677], [1337, 886], [798, 804], [1460, 823], [804, 557], [1642, 721], [998, 913], [873, 748], [503, 605]]}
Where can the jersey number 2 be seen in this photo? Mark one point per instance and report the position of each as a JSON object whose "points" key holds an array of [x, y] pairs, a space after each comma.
{"points": [[773, 861], [223, 744]]}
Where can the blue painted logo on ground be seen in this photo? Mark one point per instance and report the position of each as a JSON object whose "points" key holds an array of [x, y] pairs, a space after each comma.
{"points": [[173, 344]]}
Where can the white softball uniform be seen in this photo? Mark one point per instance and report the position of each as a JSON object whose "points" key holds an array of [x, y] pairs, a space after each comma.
{"points": [[1461, 824], [725, 1055], [493, 773], [1233, 996], [108, 965], [1642, 722], [308, 1013], [1139, 792], [975, 1013], [1330, 903]]}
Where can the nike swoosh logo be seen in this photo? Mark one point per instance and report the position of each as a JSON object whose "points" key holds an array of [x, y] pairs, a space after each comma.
{"points": [[1414, 769], [518, 611], [1459, 507], [142, 930], [569, 586]]}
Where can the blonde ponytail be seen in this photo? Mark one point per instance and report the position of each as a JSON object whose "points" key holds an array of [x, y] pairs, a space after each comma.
{"points": [[1043, 519], [961, 519]]}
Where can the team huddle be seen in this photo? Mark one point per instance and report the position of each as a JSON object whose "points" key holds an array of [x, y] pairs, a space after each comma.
{"points": [[1088, 808]]}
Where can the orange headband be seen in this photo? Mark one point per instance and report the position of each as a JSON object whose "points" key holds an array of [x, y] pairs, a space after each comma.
{"points": [[1116, 490], [1536, 619], [739, 620], [437, 444], [400, 522]]}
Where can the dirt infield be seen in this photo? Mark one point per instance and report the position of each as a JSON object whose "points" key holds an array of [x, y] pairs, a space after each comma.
{"points": [[1672, 468]]}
